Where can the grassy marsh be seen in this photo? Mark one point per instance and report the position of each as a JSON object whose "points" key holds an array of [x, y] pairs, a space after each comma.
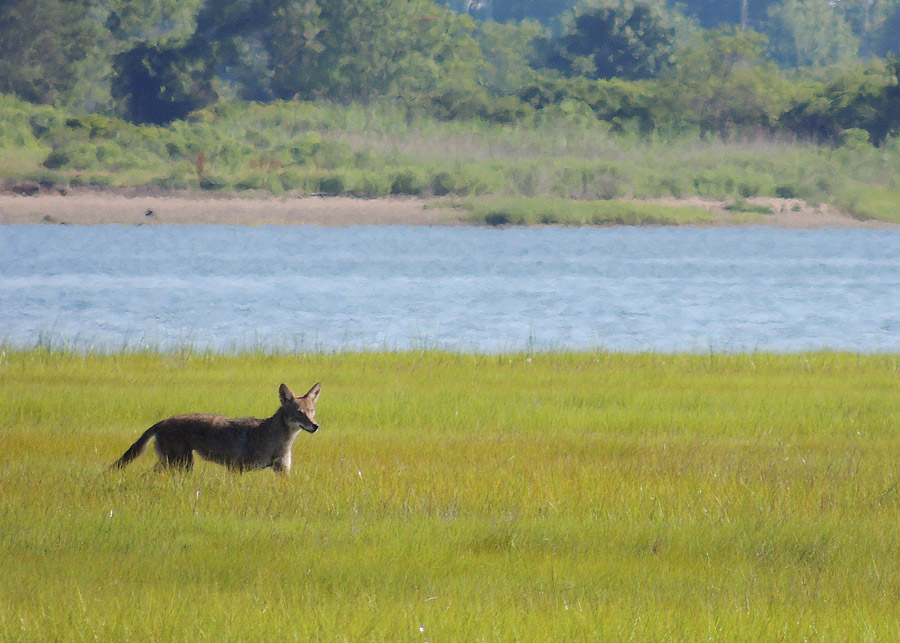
{"points": [[506, 497]]}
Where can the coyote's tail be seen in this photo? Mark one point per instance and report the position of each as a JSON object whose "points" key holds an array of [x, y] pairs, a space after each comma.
{"points": [[135, 449]]}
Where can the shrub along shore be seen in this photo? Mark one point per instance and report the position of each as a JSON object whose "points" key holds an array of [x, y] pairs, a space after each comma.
{"points": [[548, 496]]}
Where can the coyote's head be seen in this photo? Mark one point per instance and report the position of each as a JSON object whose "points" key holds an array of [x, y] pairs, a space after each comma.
{"points": [[300, 412]]}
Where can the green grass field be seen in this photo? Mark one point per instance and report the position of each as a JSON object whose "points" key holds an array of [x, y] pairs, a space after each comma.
{"points": [[545, 497]]}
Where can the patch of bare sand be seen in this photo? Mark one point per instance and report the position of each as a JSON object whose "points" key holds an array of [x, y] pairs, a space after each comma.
{"points": [[102, 207], [95, 208]]}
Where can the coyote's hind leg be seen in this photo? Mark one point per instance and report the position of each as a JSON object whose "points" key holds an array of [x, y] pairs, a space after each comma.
{"points": [[173, 454]]}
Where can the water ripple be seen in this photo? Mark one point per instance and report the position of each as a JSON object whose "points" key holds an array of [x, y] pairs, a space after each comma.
{"points": [[473, 289]]}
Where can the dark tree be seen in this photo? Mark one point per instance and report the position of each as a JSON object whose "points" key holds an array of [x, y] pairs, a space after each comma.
{"points": [[162, 83], [622, 42]]}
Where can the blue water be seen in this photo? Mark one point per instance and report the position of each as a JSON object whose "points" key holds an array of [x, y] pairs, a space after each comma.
{"points": [[224, 288]]}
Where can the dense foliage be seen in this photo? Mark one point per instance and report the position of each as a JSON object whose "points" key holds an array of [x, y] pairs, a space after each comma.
{"points": [[622, 42], [804, 68]]}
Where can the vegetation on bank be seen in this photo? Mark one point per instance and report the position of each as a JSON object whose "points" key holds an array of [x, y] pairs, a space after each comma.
{"points": [[506, 497], [561, 152]]}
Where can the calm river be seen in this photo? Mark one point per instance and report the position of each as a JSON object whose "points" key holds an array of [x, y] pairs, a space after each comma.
{"points": [[471, 289]]}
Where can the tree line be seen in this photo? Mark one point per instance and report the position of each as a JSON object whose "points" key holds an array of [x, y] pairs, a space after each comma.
{"points": [[811, 68]]}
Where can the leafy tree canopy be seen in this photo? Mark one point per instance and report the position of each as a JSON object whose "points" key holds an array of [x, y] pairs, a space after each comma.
{"points": [[724, 81], [41, 42], [810, 33], [159, 84], [867, 99], [623, 41]]}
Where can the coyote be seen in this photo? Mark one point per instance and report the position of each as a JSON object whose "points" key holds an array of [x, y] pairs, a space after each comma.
{"points": [[241, 444]]}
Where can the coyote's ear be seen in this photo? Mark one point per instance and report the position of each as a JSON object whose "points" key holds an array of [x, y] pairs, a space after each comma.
{"points": [[285, 393], [313, 393]]}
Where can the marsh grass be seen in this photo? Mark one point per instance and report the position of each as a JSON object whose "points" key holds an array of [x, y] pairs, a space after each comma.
{"points": [[882, 204], [545, 211], [536, 497]]}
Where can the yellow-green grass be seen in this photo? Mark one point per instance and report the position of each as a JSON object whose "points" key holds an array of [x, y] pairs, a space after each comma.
{"points": [[586, 496], [880, 204]]}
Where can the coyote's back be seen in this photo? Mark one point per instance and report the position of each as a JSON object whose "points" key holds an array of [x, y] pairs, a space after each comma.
{"points": [[238, 443]]}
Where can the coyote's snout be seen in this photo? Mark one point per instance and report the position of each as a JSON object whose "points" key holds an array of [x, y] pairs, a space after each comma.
{"points": [[241, 444]]}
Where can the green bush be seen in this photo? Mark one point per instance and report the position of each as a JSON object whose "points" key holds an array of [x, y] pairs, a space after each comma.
{"points": [[714, 183], [786, 191], [57, 159], [442, 184], [92, 179], [332, 185], [298, 180], [213, 184], [50, 179], [408, 181]]}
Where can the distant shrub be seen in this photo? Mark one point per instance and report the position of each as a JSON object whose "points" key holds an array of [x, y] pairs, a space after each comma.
{"points": [[305, 150], [408, 181], [332, 185], [297, 179], [671, 186], [43, 122], [748, 190], [91, 180], [442, 184], [56, 159], [359, 183], [249, 182], [786, 191], [50, 179], [210, 183], [497, 218], [97, 126], [172, 181], [175, 150], [109, 154], [716, 184]]}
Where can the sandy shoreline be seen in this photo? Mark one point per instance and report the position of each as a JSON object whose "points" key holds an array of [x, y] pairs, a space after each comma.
{"points": [[97, 208], [102, 207]]}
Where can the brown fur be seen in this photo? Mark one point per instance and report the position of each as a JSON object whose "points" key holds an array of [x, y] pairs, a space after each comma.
{"points": [[241, 444]]}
